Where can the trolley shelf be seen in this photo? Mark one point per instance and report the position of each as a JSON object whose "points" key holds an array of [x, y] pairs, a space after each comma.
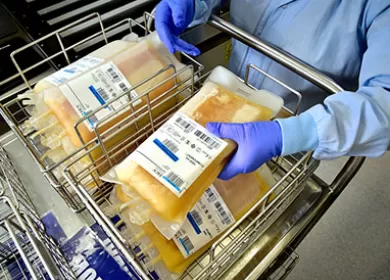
{"points": [[261, 244]]}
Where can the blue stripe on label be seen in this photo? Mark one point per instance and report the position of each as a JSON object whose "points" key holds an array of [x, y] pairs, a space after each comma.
{"points": [[173, 184], [193, 223], [97, 95], [71, 71], [165, 150], [90, 122], [185, 248]]}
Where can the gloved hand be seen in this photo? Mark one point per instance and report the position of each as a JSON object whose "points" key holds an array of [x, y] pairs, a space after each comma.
{"points": [[257, 142], [172, 17]]}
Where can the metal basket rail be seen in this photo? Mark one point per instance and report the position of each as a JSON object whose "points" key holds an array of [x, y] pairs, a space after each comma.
{"points": [[26, 250], [15, 113]]}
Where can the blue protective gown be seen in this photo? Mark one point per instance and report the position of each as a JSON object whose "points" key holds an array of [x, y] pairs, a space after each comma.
{"points": [[349, 40]]}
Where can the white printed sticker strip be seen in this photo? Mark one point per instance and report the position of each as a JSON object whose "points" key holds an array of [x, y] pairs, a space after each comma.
{"points": [[178, 152], [76, 68], [96, 88], [209, 218]]}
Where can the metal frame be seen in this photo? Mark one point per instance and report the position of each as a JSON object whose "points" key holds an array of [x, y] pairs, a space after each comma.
{"points": [[293, 173]]}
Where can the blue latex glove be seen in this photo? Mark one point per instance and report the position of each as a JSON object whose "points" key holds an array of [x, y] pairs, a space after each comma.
{"points": [[257, 142], [172, 17]]}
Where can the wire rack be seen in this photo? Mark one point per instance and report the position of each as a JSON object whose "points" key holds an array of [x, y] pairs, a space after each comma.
{"points": [[82, 187], [88, 191], [291, 172], [15, 113], [26, 251]]}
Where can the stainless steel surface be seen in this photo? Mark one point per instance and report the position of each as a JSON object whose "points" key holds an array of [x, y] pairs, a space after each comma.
{"points": [[11, 187], [354, 231], [20, 223]]}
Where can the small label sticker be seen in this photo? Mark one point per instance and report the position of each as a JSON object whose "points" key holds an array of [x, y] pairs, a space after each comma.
{"points": [[209, 218], [96, 88], [71, 71], [178, 152]]}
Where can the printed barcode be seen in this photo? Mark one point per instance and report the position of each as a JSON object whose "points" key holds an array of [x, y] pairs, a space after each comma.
{"points": [[113, 74], [225, 217], [188, 244], [171, 146], [181, 233], [184, 124], [175, 179], [93, 119], [207, 139], [103, 93], [197, 217], [210, 195], [123, 87]]}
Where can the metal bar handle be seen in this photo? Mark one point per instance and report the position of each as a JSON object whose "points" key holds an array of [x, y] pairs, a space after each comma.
{"points": [[289, 61], [302, 69]]}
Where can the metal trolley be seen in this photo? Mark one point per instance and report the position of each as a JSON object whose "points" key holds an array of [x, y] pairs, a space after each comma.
{"points": [[261, 244], [26, 250]]}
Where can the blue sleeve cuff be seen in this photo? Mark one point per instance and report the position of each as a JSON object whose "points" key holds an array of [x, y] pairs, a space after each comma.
{"points": [[203, 10], [299, 134]]}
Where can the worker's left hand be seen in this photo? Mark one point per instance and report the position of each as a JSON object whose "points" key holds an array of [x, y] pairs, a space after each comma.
{"points": [[257, 142], [171, 19]]}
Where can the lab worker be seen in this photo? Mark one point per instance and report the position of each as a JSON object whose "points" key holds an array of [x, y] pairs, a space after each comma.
{"points": [[347, 40]]}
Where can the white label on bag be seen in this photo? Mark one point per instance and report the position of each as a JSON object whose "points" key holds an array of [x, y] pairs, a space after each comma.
{"points": [[94, 89], [178, 152], [76, 68], [209, 218]]}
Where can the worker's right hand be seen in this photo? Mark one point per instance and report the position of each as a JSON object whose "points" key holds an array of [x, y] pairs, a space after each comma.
{"points": [[172, 17], [258, 142]]}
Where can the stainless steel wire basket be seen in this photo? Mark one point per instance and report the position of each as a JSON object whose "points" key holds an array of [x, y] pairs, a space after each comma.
{"points": [[15, 113], [262, 242]]}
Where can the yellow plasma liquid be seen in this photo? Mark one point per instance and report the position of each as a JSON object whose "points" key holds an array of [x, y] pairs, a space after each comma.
{"points": [[239, 194]]}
